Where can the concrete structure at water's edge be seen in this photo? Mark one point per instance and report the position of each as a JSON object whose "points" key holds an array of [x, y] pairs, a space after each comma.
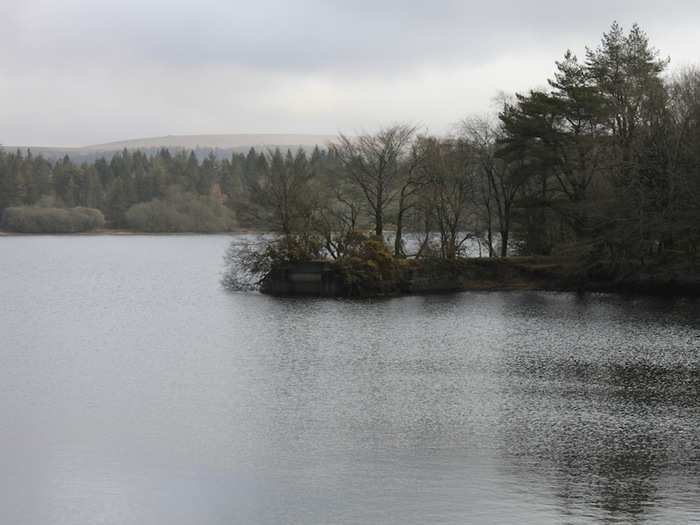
{"points": [[317, 278], [329, 279]]}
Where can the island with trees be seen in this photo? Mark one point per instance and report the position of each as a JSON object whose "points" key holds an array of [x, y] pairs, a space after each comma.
{"points": [[590, 183]]}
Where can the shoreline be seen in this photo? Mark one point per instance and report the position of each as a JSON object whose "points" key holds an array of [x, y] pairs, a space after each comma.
{"points": [[511, 274]]}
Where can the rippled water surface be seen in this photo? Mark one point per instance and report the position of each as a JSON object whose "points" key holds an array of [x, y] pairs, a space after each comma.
{"points": [[134, 390]]}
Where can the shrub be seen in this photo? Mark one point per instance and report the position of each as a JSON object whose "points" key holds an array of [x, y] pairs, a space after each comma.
{"points": [[370, 268], [25, 219], [249, 263], [180, 212]]}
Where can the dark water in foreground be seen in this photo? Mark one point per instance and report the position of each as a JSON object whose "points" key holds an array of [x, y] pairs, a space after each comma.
{"points": [[133, 390]]}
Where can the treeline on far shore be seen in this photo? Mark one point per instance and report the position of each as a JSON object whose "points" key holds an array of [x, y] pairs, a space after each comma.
{"points": [[164, 192], [604, 163]]}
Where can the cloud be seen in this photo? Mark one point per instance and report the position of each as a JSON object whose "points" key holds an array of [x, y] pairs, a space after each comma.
{"points": [[79, 71], [312, 35]]}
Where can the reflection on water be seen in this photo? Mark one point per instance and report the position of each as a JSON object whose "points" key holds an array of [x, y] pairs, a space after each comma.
{"points": [[134, 390], [607, 421]]}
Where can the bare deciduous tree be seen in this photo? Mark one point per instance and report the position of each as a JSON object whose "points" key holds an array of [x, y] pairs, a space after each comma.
{"points": [[502, 177], [281, 197], [376, 165], [449, 168]]}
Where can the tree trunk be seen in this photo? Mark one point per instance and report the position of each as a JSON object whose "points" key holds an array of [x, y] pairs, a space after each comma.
{"points": [[398, 240], [490, 234], [398, 244], [426, 239], [504, 243], [379, 211]]}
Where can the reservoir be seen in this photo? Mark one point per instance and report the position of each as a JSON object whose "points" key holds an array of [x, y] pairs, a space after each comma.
{"points": [[134, 389]]}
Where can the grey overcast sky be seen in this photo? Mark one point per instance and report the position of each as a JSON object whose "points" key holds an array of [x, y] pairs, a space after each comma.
{"points": [[77, 72]]}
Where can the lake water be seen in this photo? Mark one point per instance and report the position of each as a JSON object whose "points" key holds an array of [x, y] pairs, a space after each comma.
{"points": [[135, 390]]}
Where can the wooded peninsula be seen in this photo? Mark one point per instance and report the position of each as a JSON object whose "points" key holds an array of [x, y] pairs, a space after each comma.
{"points": [[595, 178]]}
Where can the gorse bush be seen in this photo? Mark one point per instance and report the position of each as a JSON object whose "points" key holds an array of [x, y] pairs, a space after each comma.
{"points": [[25, 219], [370, 268]]}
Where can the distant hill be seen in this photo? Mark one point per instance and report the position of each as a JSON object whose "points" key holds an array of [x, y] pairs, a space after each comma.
{"points": [[221, 145], [217, 141]]}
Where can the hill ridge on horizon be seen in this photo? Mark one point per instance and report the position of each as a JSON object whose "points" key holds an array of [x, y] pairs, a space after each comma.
{"points": [[203, 140], [236, 142]]}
